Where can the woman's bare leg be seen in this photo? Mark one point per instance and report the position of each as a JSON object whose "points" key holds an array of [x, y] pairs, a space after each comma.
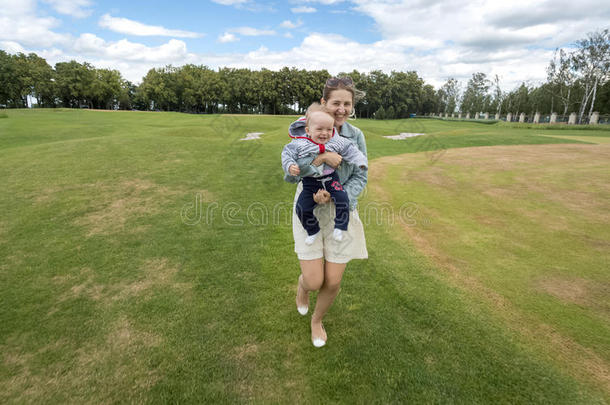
{"points": [[311, 278], [333, 273]]}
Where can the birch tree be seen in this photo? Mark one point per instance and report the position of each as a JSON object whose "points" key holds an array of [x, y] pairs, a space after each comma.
{"points": [[592, 61]]}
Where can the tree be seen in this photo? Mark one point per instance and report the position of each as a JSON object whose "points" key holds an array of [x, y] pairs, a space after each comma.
{"points": [[6, 77], [42, 80], [498, 95], [159, 88], [560, 77], [74, 83], [449, 93], [380, 113], [429, 102], [390, 114], [592, 61], [475, 97], [106, 88], [127, 96]]}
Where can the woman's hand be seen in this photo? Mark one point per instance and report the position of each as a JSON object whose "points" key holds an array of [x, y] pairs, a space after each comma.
{"points": [[330, 158], [321, 197]]}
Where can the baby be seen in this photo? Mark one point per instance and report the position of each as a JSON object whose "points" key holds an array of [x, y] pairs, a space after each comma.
{"points": [[321, 137]]}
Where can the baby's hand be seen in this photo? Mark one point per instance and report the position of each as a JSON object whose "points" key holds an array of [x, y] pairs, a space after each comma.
{"points": [[294, 170]]}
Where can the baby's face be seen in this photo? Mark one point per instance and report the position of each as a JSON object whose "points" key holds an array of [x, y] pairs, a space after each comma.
{"points": [[320, 128]]}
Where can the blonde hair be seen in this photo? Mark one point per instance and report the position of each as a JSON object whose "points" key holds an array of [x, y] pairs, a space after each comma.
{"points": [[316, 107]]}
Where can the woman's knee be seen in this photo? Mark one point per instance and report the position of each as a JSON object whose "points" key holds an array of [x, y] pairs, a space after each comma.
{"points": [[333, 274], [313, 282], [332, 284], [313, 274]]}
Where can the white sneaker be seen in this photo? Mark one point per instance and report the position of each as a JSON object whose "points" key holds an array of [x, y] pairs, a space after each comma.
{"points": [[338, 235], [311, 239]]}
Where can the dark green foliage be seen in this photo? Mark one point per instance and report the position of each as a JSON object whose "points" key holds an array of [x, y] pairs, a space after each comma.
{"points": [[380, 114], [390, 114]]}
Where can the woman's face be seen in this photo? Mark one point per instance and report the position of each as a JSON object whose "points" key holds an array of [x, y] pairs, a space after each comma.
{"points": [[339, 104]]}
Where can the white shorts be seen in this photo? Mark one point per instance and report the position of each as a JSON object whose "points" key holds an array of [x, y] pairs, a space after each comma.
{"points": [[353, 245]]}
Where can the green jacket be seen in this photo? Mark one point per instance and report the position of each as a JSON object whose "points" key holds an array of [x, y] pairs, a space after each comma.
{"points": [[351, 176]]}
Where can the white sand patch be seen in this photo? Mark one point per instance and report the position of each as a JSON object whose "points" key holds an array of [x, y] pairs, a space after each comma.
{"points": [[252, 135], [402, 135]]}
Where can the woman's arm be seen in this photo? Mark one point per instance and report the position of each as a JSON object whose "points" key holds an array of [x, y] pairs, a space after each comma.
{"points": [[357, 180], [355, 185]]}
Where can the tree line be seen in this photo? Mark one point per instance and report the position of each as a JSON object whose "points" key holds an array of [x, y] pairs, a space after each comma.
{"points": [[577, 80], [200, 89]]}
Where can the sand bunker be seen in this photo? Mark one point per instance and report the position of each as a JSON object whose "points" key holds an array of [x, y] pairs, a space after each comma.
{"points": [[252, 135], [403, 135]]}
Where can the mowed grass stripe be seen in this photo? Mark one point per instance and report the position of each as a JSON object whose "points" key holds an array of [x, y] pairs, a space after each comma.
{"points": [[108, 295], [588, 139]]}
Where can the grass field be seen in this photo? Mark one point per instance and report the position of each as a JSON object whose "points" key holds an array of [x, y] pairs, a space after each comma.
{"points": [[147, 257]]}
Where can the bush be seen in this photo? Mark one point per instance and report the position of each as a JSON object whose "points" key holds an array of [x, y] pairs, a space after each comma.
{"points": [[390, 114], [380, 114]]}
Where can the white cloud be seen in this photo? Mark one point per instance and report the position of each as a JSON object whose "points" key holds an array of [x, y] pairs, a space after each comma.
{"points": [[313, 53], [74, 8], [132, 59], [303, 9], [251, 32], [20, 24], [460, 37], [12, 47], [288, 35], [437, 39], [290, 25], [17, 7], [487, 23], [227, 37], [131, 27], [89, 44]]}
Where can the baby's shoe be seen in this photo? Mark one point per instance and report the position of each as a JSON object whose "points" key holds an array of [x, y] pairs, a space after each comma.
{"points": [[338, 235], [311, 239]]}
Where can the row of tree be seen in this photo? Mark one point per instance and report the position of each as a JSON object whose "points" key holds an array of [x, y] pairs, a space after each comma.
{"points": [[200, 89], [577, 80], [68, 84]]}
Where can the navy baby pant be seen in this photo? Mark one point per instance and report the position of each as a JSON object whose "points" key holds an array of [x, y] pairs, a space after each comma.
{"points": [[306, 204]]}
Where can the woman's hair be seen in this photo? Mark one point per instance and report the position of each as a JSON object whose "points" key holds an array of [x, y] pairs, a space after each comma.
{"points": [[343, 83]]}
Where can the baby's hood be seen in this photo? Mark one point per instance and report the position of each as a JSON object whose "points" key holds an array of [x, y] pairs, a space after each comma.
{"points": [[297, 128]]}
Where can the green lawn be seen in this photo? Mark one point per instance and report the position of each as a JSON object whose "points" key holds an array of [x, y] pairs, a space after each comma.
{"points": [[147, 257]]}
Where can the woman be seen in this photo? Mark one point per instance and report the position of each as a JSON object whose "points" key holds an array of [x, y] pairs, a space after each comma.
{"points": [[323, 263]]}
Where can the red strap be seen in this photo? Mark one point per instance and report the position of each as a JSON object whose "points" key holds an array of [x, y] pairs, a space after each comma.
{"points": [[320, 145]]}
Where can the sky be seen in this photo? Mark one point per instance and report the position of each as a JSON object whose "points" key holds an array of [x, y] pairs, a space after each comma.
{"points": [[438, 39]]}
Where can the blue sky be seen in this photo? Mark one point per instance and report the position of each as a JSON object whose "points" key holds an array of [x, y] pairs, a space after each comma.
{"points": [[436, 38]]}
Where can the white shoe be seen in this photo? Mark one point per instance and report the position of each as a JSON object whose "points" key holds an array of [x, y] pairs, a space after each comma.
{"points": [[311, 239], [319, 342], [338, 235]]}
